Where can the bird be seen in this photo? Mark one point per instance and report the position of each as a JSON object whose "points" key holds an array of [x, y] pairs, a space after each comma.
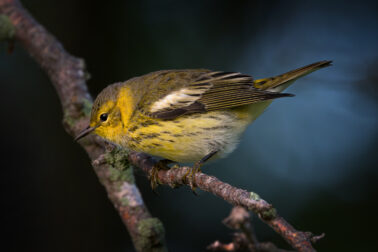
{"points": [[185, 116]]}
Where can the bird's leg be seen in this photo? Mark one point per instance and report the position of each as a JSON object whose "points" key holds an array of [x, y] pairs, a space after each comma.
{"points": [[154, 174], [197, 168]]}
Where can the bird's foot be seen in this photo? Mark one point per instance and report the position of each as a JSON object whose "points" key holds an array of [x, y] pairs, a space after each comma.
{"points": [[154, 174], [189, 176]]}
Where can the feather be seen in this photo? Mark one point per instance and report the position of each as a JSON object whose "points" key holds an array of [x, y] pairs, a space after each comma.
{"points": [[273, 83], [210, 91]]}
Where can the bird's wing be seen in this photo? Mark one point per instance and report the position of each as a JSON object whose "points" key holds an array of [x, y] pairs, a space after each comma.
{"points": [[198, 92]]}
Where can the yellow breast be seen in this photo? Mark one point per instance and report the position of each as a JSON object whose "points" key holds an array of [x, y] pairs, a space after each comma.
{"points": [[187, 138], [184, 139]]}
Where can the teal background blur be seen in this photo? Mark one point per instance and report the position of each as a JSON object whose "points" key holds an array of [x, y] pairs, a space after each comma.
{"points": [[314, 156]]}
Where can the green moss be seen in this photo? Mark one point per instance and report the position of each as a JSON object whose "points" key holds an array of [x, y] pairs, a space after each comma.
{"points": [[117, 174], [87, 107], [124, 201], [151, 235], [119, 167], [69, 120], [85, 112], [114, 174], [254, 196], [269, 214], [7, 29]]}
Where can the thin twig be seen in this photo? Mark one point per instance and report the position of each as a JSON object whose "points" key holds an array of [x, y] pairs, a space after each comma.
{"points": [[245, 237], [240, 219], [173, 177]]}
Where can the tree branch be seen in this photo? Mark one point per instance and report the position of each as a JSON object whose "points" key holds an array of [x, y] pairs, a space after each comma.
{"points": [[240, 220], [173, 177], [68, 75]]}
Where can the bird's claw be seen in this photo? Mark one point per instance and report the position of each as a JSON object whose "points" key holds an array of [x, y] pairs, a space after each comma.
{"points": [[154, 174], [154, 177], [190, 175]]}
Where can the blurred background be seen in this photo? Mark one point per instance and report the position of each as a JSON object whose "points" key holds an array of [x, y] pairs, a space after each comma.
{"points": [[314, 156]]}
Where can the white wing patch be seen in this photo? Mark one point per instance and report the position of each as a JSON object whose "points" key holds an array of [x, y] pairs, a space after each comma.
{"points": [[181, 98], [193, 92]]}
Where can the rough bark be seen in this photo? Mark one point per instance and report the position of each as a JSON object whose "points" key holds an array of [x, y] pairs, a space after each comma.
{"points": [[301, 241], [68, 75]]}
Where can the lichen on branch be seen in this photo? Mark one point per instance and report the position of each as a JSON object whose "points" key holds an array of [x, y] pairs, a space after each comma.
{"points": [[68, 75], [7, 29]]}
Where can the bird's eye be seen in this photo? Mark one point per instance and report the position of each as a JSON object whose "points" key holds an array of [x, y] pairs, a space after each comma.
{"points": [[104, 117]]}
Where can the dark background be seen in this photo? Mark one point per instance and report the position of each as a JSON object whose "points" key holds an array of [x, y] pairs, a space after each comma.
{"points": [[313, 156]]}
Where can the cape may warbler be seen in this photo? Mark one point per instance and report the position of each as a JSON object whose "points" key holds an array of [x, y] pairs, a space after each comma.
{"points": [[185, 115]]}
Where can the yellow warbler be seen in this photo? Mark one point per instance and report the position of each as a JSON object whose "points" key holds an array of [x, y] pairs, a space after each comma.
{"points": [[185, 115]]}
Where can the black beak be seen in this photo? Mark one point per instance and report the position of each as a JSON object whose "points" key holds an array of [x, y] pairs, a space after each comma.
{"points": [[85, 132]]}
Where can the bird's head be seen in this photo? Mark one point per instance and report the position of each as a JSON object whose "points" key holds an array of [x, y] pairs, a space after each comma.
{"points": [[106, 119]]}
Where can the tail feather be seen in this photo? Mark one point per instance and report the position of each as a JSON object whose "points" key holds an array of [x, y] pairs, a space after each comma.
{"points": [[283, 80]]}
